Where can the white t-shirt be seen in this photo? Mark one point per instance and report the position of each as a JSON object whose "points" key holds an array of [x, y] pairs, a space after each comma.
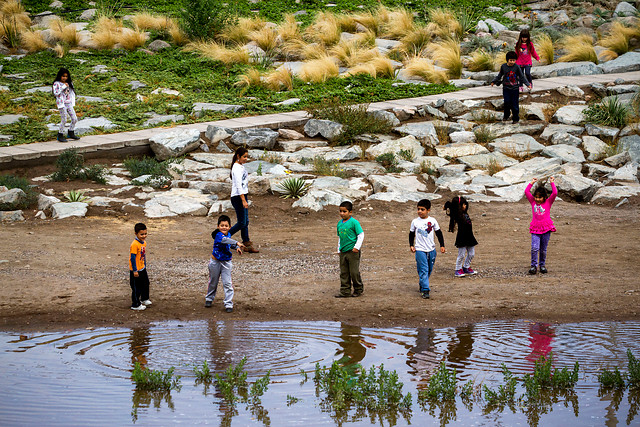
{"points": [[239, 180], [425, 230]]}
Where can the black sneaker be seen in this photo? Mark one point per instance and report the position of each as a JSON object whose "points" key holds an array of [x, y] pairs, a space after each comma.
{"points": [[543, 269], [228, 309], [356, 294], [425, 295], [342, 296], [533, 270], [207, 304], [515, 122]]}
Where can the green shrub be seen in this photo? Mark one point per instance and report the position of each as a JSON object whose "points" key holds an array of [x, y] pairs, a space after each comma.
{"points": [[484, 135], [204, 374], [389, 162], [355, 119], [293, 188], [205, 19], [442, 385], [11, 181], [70, 166], [321, 166], [159, 171], [610, 112], [148, 379], [611, 379], [233, 384]]}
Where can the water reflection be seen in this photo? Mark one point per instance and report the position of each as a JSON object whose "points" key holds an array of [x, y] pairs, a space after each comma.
{"points": [[541, 337], [352, 345]]}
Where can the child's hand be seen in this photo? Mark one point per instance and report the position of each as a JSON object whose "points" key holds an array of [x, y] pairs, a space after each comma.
{"points": [[136, 274], [413, 249], [355, 250], [491, 84], [534, 180], [442, 249], [552, 179], [239, 250], [245, 204]]}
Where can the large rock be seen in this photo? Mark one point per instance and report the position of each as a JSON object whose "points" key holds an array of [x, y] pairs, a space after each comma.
{"points": [[455, 150], [326, 128], [425, 132], [488, 181], [178, 201], [11, 199], [518, 145], [46, 202], [618, 159], [598, 171], [576, 187], [156, 119], [9, 119], [364, 169], [511, 193], [255, 138], [386, 115], [631, 144], [216, 134], [201, 108], [317, 198], [566, 153], [11, 216], [495, 26], [174, 143], [630, 61], [462, 137], [628, 172], [538, 167], [503, 129], [396, 182], [217, 160], [487, 160], [570, 91], [65, 210], [565, 138], [614, 193], [408, 143], [570, 114], [625, 9], [552, 129], [601, 130], [266, 168], [454, 107], [561, 69], [293, 146], [399, 196], [595, 148]]}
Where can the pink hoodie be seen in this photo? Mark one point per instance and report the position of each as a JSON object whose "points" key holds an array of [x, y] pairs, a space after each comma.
{"points": [[541, 221], [524, 58]]}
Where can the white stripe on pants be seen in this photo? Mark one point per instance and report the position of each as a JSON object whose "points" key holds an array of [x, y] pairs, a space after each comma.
{"points": [[220, 270], [63, 117], [465, 255]]}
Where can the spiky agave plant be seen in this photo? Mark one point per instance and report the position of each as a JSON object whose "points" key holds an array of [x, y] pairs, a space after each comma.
{"points": [[76, 196], [293, 188]]}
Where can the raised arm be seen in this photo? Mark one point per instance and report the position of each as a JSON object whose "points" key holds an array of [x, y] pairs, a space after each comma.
{"points": [[554, 190], [527, 191]]}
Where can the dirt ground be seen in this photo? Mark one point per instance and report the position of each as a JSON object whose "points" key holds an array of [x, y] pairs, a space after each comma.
{"points": [[61, 274]]}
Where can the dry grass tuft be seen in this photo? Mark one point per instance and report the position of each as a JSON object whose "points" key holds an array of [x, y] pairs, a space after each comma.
{"points": [[289, 29], [33, 41], [446, 53], [266, 38], [444, 23], [578, 48], [399, 24], [218, 52], [177, 35], [279, 79], [325, 30], [251, 78], [12, 11], [481, 60], [235, 34], [319, 70], [105, 39], [352, 53], [618, 38], [147, 21], [132, 39], [64, 32], [414, 43], [420, 67], [59, 50], [377, 67], [374, 22], [608, 55], [494, 167], [107, 24], [545, 48], [347, 23]]}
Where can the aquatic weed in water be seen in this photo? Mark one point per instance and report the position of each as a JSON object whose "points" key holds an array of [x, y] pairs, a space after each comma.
{"points": [[149, 379], [204, 374], [233, 381], [506, 392], [442, 385]]}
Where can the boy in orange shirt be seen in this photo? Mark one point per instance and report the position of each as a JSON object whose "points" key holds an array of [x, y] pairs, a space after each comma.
{"points": [[138, 278]]}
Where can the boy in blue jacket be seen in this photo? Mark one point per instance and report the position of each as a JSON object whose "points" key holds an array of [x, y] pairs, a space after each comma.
{"points": [[220, 263]]}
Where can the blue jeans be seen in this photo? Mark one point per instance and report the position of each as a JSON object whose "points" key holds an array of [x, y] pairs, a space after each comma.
{"points": [[424, 262], [539, 244], [526, 70], [243, 218]]}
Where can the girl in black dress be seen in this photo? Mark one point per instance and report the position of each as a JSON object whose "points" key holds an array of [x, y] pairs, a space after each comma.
{"points": [[457, 209]]}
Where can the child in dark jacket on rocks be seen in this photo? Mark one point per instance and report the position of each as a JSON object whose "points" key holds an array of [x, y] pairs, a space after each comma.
{"points": [[511, 77]]}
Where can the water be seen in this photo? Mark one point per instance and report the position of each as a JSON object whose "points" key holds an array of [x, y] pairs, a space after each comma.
{"points": [[82, 377]]}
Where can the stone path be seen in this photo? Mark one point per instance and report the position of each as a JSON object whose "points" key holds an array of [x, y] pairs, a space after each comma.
{"points": [[93, 143]]}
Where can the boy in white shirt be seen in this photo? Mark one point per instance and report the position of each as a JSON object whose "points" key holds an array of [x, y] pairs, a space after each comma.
{"points": [[423, 245]]}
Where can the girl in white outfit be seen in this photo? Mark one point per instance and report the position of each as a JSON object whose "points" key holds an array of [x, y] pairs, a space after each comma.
{"points": [[65, 101]]}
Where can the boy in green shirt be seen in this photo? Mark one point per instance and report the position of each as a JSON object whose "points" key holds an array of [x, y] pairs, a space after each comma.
{"points": [[350, 236]]}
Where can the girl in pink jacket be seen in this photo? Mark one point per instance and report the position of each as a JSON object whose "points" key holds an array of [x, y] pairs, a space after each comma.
{"points": [[541, 223], [525, 50]]}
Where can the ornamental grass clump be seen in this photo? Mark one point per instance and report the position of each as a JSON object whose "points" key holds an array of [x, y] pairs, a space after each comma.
{"points": [[423, 68], [446, 53], [319, 70], [609, 112], [544, 47], [578, 48]]}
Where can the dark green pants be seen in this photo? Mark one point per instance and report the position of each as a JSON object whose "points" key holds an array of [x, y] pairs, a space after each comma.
{"points": [[350, 273]]}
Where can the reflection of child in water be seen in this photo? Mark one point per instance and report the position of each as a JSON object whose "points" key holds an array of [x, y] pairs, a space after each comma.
{"points": [[541, 336]]}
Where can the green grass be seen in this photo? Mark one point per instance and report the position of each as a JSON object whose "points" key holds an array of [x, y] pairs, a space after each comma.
{"points": [[610, 112]]}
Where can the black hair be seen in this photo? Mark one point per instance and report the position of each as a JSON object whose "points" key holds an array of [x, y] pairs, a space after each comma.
{"points": [[239, 153], [455, 211], [221, 218], [523, 33], [347, 204], [61, 72], [425, 203], [511, 55], [139, 227], [540, 191]]}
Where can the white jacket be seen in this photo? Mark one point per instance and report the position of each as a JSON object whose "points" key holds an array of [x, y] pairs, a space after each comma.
{"points": [[60, 92]]}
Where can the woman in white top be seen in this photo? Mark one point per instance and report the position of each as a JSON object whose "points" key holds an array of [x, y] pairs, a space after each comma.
{"points": [[239, 197]]}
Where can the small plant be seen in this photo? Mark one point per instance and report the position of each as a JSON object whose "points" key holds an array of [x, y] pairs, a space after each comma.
{"points": [[11, 181], [70, 165], [546, 378], [612, 379], [293, 188], [233, 381], [259, 170], [148, 379], [260, 387], [159, 171], [203, 374], [483, 134], [321, 166], [270, 157], [75, 196], [609, 112], [406, 155], [292, 400], [389, 162], [634, 371], [506, 392], [428, 168], [545, 48], [205, 19], [494, 167], [442, 385]]}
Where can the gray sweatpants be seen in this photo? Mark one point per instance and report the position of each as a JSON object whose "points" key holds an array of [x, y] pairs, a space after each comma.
{"points": [[67, 109], [220, 270], [465, 255]]}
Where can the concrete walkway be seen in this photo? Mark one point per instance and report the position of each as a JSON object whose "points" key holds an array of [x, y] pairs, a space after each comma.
{"points": [[47, 151]]}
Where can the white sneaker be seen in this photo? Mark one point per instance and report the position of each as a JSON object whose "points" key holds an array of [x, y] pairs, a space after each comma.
{"points": [[139, 308], [146, 302]]}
